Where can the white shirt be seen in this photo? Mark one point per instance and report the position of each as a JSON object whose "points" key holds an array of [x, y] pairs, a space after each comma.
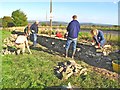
{"points": [[21, 39]]}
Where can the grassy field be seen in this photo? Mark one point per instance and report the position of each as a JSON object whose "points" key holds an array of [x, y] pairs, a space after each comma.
{"points": [[88, 27], [110, 38], [37, 71], [3, 35]]}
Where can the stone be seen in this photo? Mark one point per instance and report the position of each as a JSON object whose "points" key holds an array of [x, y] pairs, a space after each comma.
{"points": [[18, 52], [69, 86], [58, 73], [4, 45], [107, 46], [78, 49], [63, 45], [98, 50], [98, 54], [46, 40], [9, 52], [61, 69], [93, 55], [68, 69], [53, 43], [68, 75], [96, 47], [83, 71], [13, 52], [72, 62], [108, 63]]}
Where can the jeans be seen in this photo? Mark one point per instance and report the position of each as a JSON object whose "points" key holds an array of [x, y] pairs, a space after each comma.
{"points": [[34, 39], [74, 43], [102, 42]]}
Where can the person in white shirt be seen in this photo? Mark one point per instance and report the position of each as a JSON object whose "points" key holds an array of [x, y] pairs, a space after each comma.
{"points": [[22, 42]]}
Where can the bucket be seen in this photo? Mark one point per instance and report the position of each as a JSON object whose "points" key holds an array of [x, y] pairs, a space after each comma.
{"points": [[116, 66]]}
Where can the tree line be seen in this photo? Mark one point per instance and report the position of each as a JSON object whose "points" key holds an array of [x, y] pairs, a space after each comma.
{"points": [[17, 18]]}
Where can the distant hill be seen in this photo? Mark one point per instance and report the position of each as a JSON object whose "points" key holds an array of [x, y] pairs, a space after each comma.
{"points": [[56, 23], [98, 24]]}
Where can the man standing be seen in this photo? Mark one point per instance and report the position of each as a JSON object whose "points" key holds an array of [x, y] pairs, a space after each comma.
{"points": [[73, 29], [34, 30], [27, 31]]}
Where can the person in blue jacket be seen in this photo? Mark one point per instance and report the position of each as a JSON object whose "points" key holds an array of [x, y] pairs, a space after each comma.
{"points": [[73, 30], [34, 30], [98, 37]]}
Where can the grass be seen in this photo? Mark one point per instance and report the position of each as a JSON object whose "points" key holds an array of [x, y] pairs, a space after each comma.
{"points": [[3, 35], [86, 35], [37, 71], [88, 27], [108, 37]]}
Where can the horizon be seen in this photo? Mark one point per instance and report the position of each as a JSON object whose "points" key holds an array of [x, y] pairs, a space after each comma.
{"points": [[87, 12], [80, 22]]}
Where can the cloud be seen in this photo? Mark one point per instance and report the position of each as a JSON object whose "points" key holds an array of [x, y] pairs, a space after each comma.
{"points": [[116, 1]]}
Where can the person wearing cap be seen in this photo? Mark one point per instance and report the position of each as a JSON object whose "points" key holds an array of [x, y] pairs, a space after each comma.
{"points": [[73, 30], [98, 37], [22, 42], [34, 30]]}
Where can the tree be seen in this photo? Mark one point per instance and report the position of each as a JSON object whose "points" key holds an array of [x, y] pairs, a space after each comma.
{"points": [[43, 24], [0, 22], [19, 18], [6, 20]]}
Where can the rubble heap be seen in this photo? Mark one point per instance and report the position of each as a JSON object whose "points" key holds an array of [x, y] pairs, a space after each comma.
{"points": [[105, 50], [8, 44], [66, 69]]}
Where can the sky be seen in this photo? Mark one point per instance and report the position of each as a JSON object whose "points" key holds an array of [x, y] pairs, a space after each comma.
{"points": [[87, 12]]}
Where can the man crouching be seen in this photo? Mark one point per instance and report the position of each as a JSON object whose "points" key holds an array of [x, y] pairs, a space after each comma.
{"points": [[22, 42]]}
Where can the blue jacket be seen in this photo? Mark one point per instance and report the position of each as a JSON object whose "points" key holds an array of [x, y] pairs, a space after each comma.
{"points": [[73, 29], [34, 27], [100, 36]]}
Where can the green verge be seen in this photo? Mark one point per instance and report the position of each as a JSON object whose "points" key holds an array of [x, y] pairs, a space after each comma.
{"points": [[37, 71]]}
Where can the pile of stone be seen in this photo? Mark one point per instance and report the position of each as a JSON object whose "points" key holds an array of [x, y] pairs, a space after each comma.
{"points": [[8, 44], [104, 72], [106, 50], [66, 69]]}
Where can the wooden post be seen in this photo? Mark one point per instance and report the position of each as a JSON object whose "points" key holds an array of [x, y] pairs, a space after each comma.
{"points": [[50, 16], [46, 18]]}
